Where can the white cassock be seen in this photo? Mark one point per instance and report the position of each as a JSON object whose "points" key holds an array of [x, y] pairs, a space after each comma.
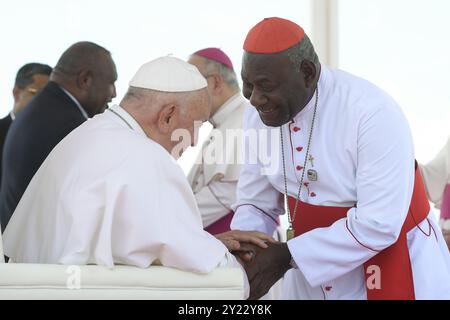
{"points": [[363, 153], [215, 174], [106, 195], [436, 175]]}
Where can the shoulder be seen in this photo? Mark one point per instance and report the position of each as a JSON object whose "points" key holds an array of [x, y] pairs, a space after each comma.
{"points": [[50, 116], [235, 114], [144, 153], [5, 123], [357, 91], [358, 98], [149, 163]]}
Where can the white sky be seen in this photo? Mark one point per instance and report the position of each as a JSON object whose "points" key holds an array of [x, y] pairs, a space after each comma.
{"points": [[401, 45], [135, 31]]}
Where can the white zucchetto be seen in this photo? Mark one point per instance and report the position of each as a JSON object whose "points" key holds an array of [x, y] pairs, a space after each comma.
{"points": [[168, 74]]}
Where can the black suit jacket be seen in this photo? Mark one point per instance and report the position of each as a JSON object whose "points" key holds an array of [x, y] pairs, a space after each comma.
{"points": [[5, 123], [37, 129]]}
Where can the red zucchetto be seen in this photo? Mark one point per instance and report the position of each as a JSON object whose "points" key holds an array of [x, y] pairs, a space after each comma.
{"points": [[273, 35]]}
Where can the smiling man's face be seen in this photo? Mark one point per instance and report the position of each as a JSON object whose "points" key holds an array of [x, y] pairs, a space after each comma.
{"points": [[274, 87]]}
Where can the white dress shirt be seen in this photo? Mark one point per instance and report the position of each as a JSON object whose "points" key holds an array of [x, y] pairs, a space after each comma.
{"points": [[83, 112]]}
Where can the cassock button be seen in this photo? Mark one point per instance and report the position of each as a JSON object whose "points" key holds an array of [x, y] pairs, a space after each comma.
{"points": [[328, 288], [299, 149], [312, 194], [306, 184], [299, 168], [296, 129]]}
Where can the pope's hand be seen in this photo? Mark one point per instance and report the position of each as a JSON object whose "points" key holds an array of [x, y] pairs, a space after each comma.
{"points": [[235, 240]]}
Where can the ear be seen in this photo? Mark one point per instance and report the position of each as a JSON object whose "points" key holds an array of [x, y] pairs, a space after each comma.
{"points": [[168, 118], [217, 84], [84, 79], [309, 72], [16, 93]]}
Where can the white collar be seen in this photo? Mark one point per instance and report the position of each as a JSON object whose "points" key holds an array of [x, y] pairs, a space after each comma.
{"points": [[322, 85], [12, 115], [124, 117], [226, 109], [83, 112]]}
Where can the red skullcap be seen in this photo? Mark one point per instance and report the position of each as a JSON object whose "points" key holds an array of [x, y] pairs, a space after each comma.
{"points": [[273, 35]]}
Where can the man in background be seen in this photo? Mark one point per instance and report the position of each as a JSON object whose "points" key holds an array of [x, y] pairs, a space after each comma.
{"points": [[215, 174], [436, 176], [31, 78], [80, 86]]}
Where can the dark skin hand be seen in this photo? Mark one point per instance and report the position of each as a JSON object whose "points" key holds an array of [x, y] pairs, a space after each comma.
{"points": [[264, 267]]}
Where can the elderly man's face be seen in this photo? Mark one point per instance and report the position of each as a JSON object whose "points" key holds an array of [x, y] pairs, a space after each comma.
{"points": [[274, 87], [196, 111]]}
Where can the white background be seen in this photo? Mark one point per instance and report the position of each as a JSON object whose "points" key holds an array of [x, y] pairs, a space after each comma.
{"points": [[400, 45]]}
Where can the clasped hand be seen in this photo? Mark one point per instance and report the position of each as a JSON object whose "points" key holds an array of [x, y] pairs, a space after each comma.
{"points": [[264, 259]]}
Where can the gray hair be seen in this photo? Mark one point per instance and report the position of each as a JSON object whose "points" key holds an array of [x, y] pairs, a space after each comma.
{"points": [[228, 75], [149, 97], [304, 50]]}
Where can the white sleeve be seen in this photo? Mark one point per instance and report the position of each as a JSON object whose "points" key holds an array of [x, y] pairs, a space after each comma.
{"points": [[436, 174], [155, 216], [258, 203], [229, 261], [384, 184]]}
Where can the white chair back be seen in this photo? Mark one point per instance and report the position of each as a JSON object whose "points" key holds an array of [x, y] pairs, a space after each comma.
{"points": [[47, 281]]}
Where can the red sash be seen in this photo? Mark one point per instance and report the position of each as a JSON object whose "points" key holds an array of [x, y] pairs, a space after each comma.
{"points": [[394, 263], [221, 225]]}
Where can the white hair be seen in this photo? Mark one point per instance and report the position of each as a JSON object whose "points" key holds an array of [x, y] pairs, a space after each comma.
{"points": [[157, 99], [228, 75]]}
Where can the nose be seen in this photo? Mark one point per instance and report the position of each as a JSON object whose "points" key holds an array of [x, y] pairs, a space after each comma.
{"points": [[257, 99], [114, 94]]}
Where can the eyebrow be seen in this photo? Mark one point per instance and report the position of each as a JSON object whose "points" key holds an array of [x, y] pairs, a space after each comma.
{"points": [[264, 80]]}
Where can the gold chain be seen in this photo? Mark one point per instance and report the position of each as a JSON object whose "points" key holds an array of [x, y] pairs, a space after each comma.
{"points": [[292, 219]]}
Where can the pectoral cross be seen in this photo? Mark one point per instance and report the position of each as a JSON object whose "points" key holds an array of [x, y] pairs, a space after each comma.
{"points": [[311, 159], [290, 233]]}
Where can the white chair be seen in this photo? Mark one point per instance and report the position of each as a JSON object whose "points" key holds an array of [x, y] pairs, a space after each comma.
{"points": [[42, 281]]}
